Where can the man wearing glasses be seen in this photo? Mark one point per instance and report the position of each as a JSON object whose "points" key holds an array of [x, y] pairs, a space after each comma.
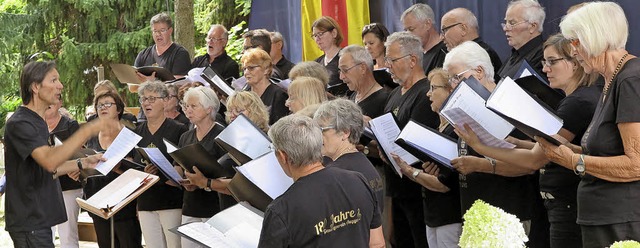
{"points": [[523, 28], [164, 52], [460, 25], [408, 101], [216, 57]]}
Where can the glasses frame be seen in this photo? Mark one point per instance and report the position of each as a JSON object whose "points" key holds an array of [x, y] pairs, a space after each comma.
{"points": [[345, 71], [458, 77], [318, 34], [391, 61], [550, 62], [445, 29], [161, 31], [250, 68], [327, 128], [434, 87], [510, 26], [108, 105], [151, 99]]}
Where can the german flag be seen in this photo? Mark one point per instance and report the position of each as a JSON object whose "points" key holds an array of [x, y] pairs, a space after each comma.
{"points": [[350, 15]]}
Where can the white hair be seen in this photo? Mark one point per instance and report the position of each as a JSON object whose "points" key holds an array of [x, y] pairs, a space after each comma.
{"points": [[206, 97], [533, 11], [599, 26], [420, 11], [470, 55], [409, 44], [359, 55]]}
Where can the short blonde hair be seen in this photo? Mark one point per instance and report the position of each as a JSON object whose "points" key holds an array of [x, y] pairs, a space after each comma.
{"points": [[440, 75], [259, 57], [256, 111], [308, 90], [599, 26]]}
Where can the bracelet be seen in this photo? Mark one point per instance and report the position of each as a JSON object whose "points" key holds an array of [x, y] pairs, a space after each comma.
{"points": [[79, 163], [493, 164]]}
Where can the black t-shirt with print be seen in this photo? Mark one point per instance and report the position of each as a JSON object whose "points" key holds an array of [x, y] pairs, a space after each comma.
{"points": [[358, 162], [328, 208]]}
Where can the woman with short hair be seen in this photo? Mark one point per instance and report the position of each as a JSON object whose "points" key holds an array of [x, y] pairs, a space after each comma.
{"points": [[257, 67], [303, 92]]}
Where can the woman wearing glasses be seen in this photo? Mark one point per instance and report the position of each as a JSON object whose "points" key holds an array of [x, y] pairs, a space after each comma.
{"points": [[159, 208], [441, 189], [608, 161], [558, 185], [108, 104], [249, 104], [257, 67], [328, 35], [200, 105]]}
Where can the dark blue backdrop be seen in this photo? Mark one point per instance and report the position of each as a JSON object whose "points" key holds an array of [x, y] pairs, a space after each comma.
{"points": [[284, 16]]}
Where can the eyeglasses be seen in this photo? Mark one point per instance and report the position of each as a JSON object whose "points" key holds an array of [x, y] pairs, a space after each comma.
{"points": [[445, 29], [327, 128], [151, 99], [170, 96], [458, 77], [186, 106], [391, 61], [369, 27], [235, 112], [250, 67], [161, 31], [511, 24], [209, 39], [433, 87], [550, 62], [105, 105], [344, 71], [318, 34]]}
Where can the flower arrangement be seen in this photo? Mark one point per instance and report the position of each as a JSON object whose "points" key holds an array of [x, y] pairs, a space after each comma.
{"points": [[625, 244], [489, 226]]}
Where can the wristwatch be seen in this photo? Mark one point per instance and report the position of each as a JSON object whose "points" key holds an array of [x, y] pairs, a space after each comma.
{"points": [[365, 150], [580, 168], [415, 173], [208, 188]]}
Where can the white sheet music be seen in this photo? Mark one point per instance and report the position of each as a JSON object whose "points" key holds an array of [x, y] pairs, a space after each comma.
{"points": [[485, 137], [158, 159], [205, 234], [116, 197], [121, 146], [266, 173], [429, 140], [244, 136], [239, 83], [467, 100], [386, 131], [511, 100], [170, 147]]}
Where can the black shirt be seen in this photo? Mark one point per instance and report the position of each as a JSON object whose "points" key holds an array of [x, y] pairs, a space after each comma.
{"points": [[434, 58], [200, 203], [443, 208], [95, 184], [160, 196], [274, 98], [576, 110], [33, 198], [413, 105], [223, 65], [372, 106], [532, 52], [328, 208], [493, 55], [336, 86], [182, 119], [285, 67], [358, 162], [65, 128], [176, 59], [601, 202]]}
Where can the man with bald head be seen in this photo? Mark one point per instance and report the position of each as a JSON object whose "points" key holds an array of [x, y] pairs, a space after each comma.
{"points": [[460, 25], [523, 28], [419, 20], [216, 56]]}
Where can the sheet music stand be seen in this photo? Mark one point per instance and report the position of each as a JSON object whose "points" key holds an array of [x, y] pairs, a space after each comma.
{"points": [[148, 180]]}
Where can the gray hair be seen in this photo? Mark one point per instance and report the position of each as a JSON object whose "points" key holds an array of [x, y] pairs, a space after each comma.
{"points": [[162, 18], [206, 97], [277, 36], [225, 32], [599, 26], [533, 11], [299, 137], [420, 11], [310, 69], [155, 87], [470, 55], [359, 55], [409, 44], [345, 115]]}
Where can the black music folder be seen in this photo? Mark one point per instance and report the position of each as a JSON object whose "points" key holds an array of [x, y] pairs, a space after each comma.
{"points": [[428, 144], [217, 83], [127, 73], [195, 155], [243, 140]]}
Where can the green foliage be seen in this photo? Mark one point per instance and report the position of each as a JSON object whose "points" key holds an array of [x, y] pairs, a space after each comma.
{"points": [[235, 46], [7, 105]]}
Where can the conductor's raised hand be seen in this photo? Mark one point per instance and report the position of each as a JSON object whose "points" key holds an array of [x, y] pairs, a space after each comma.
{"points": [[91, 162]]}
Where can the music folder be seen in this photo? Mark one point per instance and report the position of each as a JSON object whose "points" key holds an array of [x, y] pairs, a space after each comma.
{"points": [[259, 181], [118, 193], [127, 73], [527, 113], [155, 156], [243, 140], [236, 226], [428, 144], [195, 155], [218, 84], [386, 130]]}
